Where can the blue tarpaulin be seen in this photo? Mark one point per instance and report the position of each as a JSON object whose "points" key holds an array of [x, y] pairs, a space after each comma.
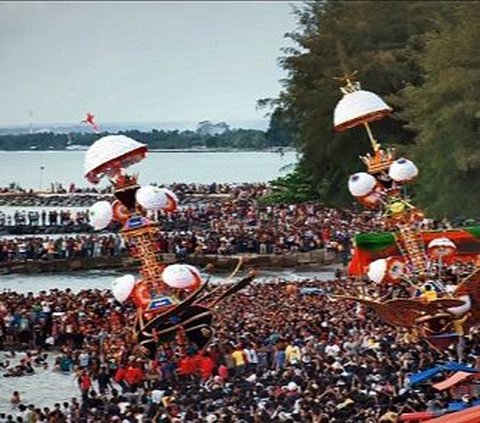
{"points": [[311, 291], [433, 371], [457, 406]]}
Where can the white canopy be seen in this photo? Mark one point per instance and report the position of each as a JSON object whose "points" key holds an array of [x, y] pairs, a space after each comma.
{"points": [[109, 153], [357, 107]]}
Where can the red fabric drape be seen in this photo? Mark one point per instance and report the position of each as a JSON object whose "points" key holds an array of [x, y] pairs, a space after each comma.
{"points": [[467, 244]]}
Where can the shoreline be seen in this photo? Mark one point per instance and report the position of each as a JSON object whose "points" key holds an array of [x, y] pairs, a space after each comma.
{"points": [[171, 150], [312, 261]]}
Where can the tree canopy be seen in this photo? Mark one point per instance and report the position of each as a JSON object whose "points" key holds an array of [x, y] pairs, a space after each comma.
{"points": [[155, 139], [444, 111], [405, 52]]}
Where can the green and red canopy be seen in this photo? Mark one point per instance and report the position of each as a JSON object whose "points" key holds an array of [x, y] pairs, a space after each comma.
{"points": [[374, 245]]}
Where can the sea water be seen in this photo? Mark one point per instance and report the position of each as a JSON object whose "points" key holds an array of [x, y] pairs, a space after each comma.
{"points": [[102, 279], [40, 168]]}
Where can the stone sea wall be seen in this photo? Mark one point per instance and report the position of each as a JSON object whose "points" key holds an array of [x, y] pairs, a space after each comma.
{"points": [[312, 259]]}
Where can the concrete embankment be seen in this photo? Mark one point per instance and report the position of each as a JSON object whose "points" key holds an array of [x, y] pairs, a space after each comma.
{"points": [[311, 260]]}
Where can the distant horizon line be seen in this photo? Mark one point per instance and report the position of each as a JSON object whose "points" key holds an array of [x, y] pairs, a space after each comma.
{"points": [[146, 122]]}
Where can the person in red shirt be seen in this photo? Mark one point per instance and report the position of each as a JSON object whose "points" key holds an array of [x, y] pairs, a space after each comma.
{"points": [[85, 384], [186, 366], [134, 375], [205, 366]]}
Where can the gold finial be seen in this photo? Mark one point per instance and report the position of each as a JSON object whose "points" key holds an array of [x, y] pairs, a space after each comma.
{"points": [[349, 79]]}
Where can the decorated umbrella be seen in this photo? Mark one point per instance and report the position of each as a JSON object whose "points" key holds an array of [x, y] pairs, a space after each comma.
{"points": [[358, 107], [441, 249], [110, 154]]}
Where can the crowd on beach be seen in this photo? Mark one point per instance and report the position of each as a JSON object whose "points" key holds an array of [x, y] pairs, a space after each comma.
{"points": [[283, 352], [231, 223], [223, 236], [52, 217], [178, 187], [14, 250], [73, 196]]}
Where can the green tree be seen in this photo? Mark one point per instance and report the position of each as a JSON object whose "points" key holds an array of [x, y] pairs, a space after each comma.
{"points": [[281, 129], [155, 139], [296, 187], [211, 142], [445, 111], [379, 40]]}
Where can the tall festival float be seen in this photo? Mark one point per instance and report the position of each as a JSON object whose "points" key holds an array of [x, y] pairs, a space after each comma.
{"points": [[405, 264], [173, 303]]}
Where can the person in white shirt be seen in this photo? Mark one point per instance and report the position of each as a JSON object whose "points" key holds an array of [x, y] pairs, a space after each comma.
{"points": [[252, 357], [332, 350], [157, 394], [84, 359]]}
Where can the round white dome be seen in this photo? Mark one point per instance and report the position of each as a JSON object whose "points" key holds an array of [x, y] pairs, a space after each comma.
{"points": [[151, 198], [377, 270], [100, 215], [361, 184], [358, 107], [403, 170], [441, 247], [122, 287], [110, 153], [441, 242], [179, 276]]}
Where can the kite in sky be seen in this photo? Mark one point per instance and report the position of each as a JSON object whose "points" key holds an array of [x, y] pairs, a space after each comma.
{"points": [[90, 120]]}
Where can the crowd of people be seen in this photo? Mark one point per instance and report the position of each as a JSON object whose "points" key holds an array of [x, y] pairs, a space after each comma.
{"points": [[178, 187], [44, 217], [222, 228], [281, 352], [227, 224], [58, 196], [14, 250]]}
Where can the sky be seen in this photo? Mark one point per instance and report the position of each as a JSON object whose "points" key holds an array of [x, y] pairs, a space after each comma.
{"points": [[140, 61]]}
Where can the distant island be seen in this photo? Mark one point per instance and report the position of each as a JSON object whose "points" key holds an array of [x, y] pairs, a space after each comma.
{"points": [[207, 136]]}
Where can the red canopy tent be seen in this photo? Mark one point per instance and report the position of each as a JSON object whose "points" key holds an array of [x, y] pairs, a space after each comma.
{"points": [[376, 245]]}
